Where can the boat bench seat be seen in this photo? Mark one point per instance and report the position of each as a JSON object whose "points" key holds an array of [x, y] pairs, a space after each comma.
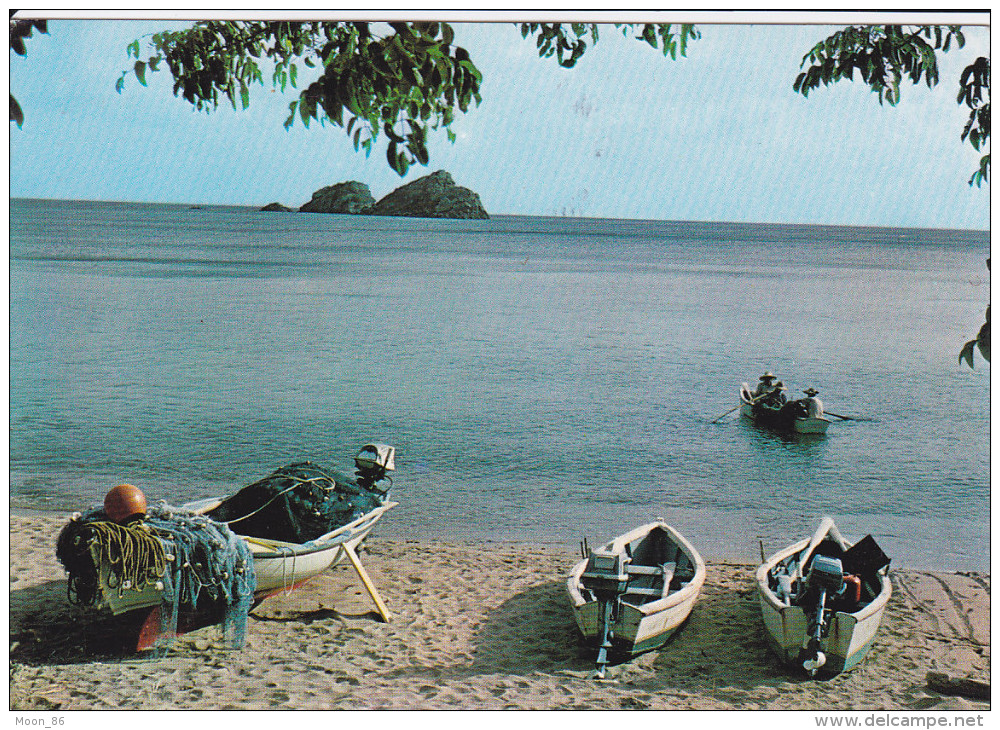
{"points": [[666, 570], [658, 592], [643, 569]]}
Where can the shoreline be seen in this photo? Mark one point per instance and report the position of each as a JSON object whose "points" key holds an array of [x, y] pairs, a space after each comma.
{"points": [[711, 543], [473, 628]]}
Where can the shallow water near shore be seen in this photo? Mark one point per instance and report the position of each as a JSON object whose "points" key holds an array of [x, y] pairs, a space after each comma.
{"points": [[544, 379]]}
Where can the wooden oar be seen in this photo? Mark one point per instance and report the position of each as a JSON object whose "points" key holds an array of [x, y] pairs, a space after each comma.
{"points": [[726, 414], [753, 401], [846, 418]]}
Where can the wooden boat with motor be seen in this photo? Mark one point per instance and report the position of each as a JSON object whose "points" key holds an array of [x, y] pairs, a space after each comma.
{"points": [[822, 600], [298, 500], [279, 566], [630, 595]]}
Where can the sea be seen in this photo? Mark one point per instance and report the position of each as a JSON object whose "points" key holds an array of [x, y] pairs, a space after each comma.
{"points": [[544, 380]]}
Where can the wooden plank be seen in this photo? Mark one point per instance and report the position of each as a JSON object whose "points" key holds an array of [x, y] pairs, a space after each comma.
{"points": [[643, 569], [644, 592], [940, 682], [668, 575], [367, 582]]}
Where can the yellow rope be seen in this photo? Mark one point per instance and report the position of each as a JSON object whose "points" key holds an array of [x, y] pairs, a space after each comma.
{"points": [[135, 558]]}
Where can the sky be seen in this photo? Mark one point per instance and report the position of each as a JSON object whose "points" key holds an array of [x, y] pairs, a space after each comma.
{"points": [[628, 133]]}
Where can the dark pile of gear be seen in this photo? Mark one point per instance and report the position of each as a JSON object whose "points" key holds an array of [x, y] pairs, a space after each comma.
{"points": [[195, 563], [300, 502]]}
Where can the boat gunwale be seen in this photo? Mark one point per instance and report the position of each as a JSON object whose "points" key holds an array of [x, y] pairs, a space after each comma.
{"points": [[330, 541], [284, 549], [689, 592]]}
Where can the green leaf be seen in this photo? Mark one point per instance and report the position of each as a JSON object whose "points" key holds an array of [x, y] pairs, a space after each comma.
{"points": [[305, 111], [140, 72], [133, 48], [244, 95], [421, 154], [16, 115], [292, 72], [966, 354], [471, 68], [391, 157]]}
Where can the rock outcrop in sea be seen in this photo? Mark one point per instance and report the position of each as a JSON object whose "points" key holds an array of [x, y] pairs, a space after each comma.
{"points": [[432, 196], [346, 197], [276, 207]]}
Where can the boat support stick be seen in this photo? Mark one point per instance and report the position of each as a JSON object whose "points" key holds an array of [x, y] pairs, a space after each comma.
{"points": [[367, 582]]}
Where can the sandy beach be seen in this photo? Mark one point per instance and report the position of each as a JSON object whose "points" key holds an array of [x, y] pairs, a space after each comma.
{"points": [[476, 627]]}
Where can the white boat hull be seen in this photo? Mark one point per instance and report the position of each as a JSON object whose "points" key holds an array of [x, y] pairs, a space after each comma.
{"points": [[850, 635], [638, 628], [278, 566]]}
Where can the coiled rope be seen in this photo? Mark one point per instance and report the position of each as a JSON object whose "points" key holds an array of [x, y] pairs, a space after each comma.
{"points": [[135, 558], [192, 561]]}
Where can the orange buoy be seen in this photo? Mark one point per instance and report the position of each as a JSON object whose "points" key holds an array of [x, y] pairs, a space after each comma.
{"points": [[124, 502]]}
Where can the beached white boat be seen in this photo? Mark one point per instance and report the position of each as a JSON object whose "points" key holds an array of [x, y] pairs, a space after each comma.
{"points": [[632, 594], [804, 415], [822, 600], [163, 560], [278, 566]]}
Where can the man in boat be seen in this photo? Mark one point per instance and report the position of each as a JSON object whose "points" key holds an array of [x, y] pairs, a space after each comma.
{"points": [[777, 395], [814, 406], [764, 387]]}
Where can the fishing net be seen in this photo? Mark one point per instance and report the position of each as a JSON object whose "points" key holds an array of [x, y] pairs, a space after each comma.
{"points": [[196, 564], [200, 562], [298, 503]]}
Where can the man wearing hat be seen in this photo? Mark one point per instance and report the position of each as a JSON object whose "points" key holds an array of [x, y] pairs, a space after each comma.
{"points": [[764, 386], [814, 406]]}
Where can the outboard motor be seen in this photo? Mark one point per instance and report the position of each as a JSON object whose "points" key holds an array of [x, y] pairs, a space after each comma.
{"points": [[606, 576], [825, 579], [373, 461]]}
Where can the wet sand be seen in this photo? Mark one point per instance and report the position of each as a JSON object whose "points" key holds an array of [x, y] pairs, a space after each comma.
{"points": [[476, 627]]}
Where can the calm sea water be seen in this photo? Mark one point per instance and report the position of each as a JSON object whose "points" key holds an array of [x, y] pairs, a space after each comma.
{"points": [[544, 379]]}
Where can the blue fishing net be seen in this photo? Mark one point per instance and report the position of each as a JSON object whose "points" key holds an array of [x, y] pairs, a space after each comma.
{"points": [[195, 563], [211, 565]]}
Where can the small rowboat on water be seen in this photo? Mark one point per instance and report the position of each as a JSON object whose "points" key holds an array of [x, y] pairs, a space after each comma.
{"points": [[804, 415], [632, 594], [822, 600]]}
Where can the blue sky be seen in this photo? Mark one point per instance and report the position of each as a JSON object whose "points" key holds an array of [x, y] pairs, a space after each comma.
{"points": [[628, 133]]}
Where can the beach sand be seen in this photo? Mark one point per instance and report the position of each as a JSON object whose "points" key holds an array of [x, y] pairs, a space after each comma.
{"points": [[479, 627]]}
